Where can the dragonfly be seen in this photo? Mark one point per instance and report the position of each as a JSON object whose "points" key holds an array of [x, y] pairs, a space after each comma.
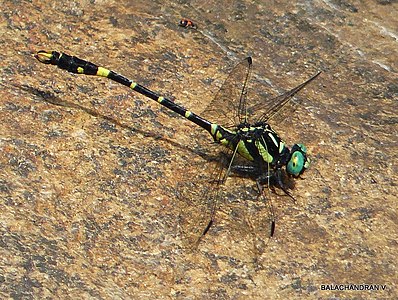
{"points": [[270, 160]]}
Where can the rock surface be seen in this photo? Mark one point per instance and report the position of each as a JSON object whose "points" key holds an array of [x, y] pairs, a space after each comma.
{"points": [[90, 171]]}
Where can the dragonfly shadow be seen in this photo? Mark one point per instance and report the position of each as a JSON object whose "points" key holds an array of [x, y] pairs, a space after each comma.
{"points": [[50, 98]]}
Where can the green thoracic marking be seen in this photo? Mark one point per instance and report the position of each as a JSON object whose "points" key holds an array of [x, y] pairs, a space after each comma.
{"points": [[244, 151], [213, 129], [263, 152]]}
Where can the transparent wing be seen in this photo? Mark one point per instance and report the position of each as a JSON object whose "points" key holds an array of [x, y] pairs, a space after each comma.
{"points": [[247, 217], [228, 108], [200, 196], [254, 215], [268, 109], [227, 206]]}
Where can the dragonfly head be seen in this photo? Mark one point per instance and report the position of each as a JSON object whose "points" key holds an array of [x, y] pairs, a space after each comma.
{"points": [[298, 161]]}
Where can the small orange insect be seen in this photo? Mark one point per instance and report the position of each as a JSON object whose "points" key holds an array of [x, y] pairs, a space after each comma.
{"points": [[186, 23]]}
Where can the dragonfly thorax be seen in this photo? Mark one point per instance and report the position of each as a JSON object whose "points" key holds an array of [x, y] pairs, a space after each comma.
{"points": [[262, 145]]}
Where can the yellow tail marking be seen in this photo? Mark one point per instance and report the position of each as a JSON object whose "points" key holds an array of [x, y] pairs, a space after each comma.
{"points": [[102, 72], [188, 114], [44, 57]]}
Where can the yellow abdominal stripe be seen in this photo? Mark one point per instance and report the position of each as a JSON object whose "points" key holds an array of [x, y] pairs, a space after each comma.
{"points": [[103, 72]]}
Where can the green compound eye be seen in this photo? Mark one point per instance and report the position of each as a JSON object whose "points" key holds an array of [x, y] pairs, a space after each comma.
{"points": [[298, 160]]}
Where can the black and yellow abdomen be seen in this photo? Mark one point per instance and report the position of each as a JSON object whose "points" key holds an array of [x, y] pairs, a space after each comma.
{"points": [[258, 143]]}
